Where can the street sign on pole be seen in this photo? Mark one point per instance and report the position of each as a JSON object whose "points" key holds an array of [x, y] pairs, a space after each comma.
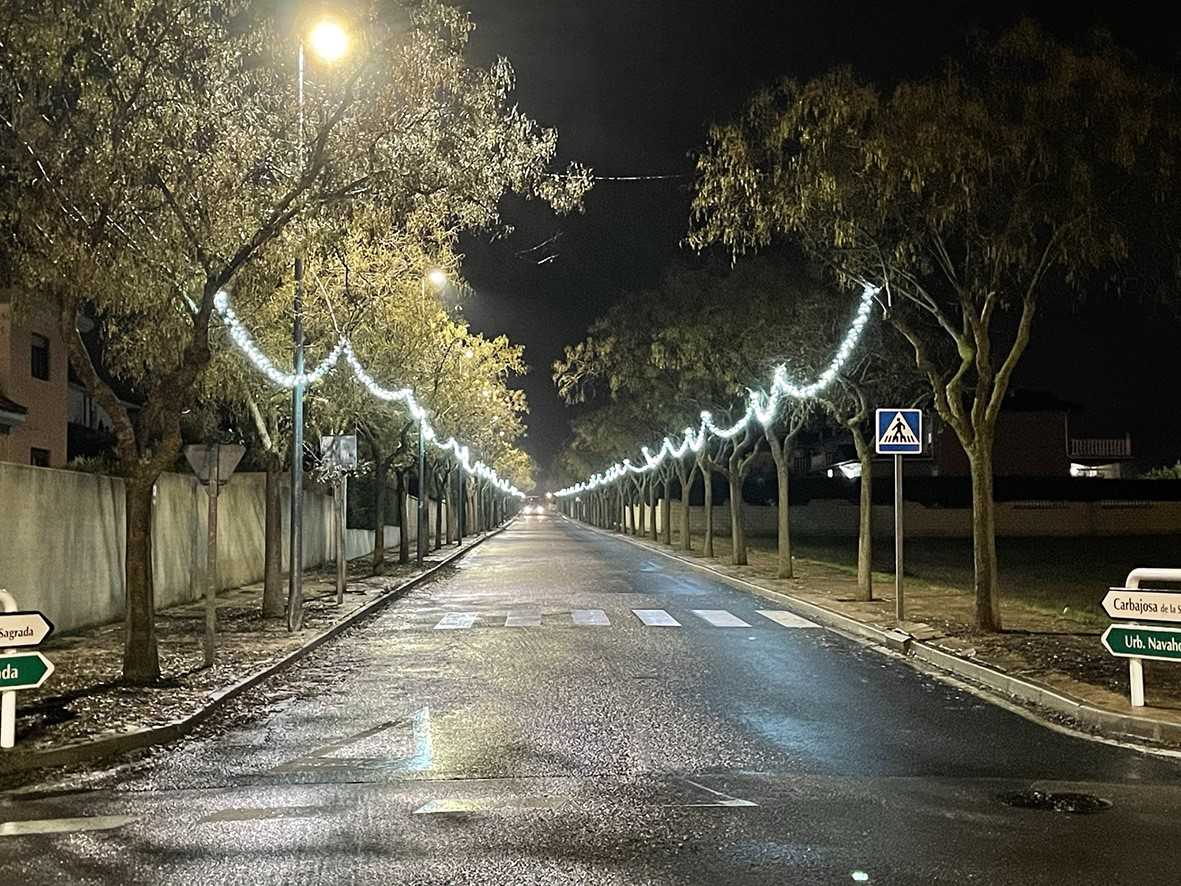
{"points": [[18, 629], [1131, 603], [340, 451], [898, 432], [1136, 605], [19, 670], [1143, 641], [23, 670], [213, 463]]}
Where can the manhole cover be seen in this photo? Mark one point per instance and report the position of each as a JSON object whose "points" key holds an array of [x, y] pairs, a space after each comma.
{"points": [[1067, 803]]}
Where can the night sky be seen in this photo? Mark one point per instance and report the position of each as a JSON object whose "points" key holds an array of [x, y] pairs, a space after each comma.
{"points": [[632, 87]]}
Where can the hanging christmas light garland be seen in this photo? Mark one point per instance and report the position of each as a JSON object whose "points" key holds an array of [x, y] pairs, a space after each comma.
{"points": [[245, 343], [760, 407]]}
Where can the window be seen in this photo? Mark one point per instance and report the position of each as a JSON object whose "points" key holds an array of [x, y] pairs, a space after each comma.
{"points": [[39, 458], [40, 364]]}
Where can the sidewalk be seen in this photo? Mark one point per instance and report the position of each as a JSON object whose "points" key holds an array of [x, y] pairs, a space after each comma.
{"points": [[1050, 662], [83, 711]]}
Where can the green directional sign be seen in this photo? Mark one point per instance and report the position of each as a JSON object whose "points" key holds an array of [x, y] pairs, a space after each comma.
{"points": [[24, 670], [1134, 641]]}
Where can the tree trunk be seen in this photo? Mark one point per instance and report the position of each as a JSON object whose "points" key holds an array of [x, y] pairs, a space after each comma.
{"points": [[988, 608], [782, 448], [643, 528], [438, 516], [274, 598], [707, 478], [686, 488], [666, 530], [865, 521], [737, 527], [403, 519], [141, 660], [380, 479], [652, 528], [783, 518], [451, 514]]}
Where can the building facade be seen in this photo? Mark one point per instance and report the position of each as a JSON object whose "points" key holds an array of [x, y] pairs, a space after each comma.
{"points": [[34, 389]]}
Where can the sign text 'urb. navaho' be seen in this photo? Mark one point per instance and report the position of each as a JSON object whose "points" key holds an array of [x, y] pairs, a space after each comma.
{"points": [[1140, 641]]}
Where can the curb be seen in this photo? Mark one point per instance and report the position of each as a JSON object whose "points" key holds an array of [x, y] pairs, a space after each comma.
{"points": [[18, 761], [1110, 724]]}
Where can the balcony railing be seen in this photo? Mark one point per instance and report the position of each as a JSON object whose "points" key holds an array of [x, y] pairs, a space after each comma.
{"points": [[1101, 447]]}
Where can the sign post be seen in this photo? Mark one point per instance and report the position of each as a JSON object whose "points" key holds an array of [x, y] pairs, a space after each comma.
{"points": [[899, 432], [19, 670], [1137, 642], [340, 451], [213, 464]]}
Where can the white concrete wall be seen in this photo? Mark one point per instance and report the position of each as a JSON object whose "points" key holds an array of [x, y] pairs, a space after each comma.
{"points": [[1028, 519], [62, 539]]}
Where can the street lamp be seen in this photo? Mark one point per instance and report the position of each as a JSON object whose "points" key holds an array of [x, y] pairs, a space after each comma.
{"points": [[329, 42], [438, 279]]}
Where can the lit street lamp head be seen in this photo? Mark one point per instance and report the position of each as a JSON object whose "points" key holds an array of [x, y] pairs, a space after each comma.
{"points": [[437, 278], [328, 40]]}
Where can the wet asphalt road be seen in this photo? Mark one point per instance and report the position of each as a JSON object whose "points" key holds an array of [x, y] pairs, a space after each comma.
{"points": [[517, 722]]}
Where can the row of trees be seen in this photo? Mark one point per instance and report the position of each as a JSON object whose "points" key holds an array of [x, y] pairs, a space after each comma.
{"points": [[154, 154], [1025, 171], [661, 357]]}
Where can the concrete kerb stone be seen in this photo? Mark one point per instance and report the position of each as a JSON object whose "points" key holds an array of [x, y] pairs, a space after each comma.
{"points": [[24, 761], [1111, 724]]}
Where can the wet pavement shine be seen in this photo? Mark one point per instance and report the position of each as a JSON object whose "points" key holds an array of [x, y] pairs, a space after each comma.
{"points": [[564, 707]]}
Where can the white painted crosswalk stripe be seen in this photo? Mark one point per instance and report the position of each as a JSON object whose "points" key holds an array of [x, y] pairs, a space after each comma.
{"points": [[653, 618], [787, 619], [456, 620], [590, 617], [656, 618], [720, 618]]}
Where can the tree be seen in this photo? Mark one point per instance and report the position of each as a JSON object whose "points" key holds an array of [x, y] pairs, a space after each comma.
{"points": [[1021, 174], [653, 356], [155, 151]]}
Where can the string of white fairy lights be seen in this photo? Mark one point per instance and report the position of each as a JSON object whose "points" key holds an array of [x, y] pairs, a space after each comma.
{"points": [[245, 342], [761, 407]]}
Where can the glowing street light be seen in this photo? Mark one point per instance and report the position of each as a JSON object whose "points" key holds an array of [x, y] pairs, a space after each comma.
{"points": [[328, 40], [437, 278]]}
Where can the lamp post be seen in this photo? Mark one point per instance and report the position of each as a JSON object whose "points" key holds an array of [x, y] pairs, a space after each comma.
{"points": [[437, 279], [329, 42]]}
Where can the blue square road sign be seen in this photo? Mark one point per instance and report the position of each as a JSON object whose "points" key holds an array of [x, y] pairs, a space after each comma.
{"points": [[899, 432]]}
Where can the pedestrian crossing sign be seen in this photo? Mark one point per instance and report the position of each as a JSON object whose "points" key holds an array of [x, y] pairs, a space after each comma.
{"points": [[899, 432]]}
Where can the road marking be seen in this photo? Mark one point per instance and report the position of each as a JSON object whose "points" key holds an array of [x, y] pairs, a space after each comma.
{"points": [[720, 618], [523, 620], [63, 825], [723, 799], [262, 813], [590, 617], [456, 621], [397, 745], [485, 804], [656, 618], [787, 619]]}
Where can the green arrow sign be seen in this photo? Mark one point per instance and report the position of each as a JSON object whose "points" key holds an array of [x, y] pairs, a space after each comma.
{"points": [[1134, 641], [24, 670]]}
